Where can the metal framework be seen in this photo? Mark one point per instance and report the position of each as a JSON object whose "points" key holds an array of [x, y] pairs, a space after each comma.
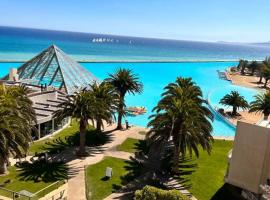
{"points": [[54, 68]]}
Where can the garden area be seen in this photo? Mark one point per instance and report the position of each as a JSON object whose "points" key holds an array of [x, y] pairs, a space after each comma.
{"points": [[98, 186], [36, 179], [203, 176], [47, 167], [69, 137]]}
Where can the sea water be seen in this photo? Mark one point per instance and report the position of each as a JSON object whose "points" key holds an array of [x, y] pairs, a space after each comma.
{"points": [[22, 44]]}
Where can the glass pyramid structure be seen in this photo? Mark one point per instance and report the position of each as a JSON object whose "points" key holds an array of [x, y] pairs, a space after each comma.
{"points": [[54, 68]]}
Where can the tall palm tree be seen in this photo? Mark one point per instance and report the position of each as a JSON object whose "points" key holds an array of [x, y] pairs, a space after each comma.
{"points": [[124, 82], [182, 115], [261, 104], [243, 64], [253, 66], [16, 123], [235, 100], [266, 75], [263, 67], [105, 100], [81, 107]]}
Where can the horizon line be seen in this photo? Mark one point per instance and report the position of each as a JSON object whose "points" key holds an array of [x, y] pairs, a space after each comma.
{"points": [[139, 37]]}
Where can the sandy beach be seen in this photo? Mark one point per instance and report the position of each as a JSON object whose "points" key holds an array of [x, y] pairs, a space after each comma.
{"points": [[251, 118], [245, 81]]}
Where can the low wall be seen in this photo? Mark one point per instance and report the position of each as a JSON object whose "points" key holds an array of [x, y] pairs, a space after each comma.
{"points": [[59, 193]]}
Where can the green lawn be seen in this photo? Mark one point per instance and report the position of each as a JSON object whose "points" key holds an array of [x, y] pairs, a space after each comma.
{"points": [[129, 145], [39, 146], [97, 187], [16, 181], [208, 176], [69, 137], [132, 145]]}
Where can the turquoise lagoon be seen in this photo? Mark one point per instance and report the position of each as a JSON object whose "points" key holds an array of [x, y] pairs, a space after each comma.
{"points": [[155, 76]]}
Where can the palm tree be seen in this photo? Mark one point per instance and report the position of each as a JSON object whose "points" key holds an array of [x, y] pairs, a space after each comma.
{"points": [[261, 104], [266, 75], [16, 123], [81, 107], [235, 100], [182, 115], [243, 64], [124, 81], [253, 66], [263, 67], [105, 100]]}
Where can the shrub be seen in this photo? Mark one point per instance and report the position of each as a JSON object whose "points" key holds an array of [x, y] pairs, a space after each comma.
{"points": [[152, 193]]}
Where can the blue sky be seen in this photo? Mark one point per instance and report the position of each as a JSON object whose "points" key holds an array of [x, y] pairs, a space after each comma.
{"points": [[206, 20]]}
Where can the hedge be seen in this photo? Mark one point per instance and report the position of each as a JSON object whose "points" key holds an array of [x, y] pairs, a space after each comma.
{"points": [[153, 193]]}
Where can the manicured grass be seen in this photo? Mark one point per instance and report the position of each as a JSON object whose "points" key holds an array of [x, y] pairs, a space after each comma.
{"points": [[69, 137], [132, 145], [208, 176], [39, 146], [142, 132], [18, 183], [129, 145], [98, 187]]}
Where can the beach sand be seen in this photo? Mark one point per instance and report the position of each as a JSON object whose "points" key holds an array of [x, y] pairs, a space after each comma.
{"points": [[251, 118], [245, 81]]}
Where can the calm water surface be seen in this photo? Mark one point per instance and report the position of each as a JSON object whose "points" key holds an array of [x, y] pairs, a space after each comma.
{"points": [[155, 76]]}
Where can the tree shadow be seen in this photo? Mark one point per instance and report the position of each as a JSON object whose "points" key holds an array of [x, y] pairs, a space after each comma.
{"points": [[228, 191], [93, 139], [142, 146], [42, 170], [187, 165]]}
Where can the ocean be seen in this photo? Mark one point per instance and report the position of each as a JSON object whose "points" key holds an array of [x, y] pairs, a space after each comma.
{"points": [[156, 62], [21, 44]]}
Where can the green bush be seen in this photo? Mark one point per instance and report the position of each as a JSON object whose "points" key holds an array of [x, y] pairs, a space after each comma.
{"points": [[152, 193]]}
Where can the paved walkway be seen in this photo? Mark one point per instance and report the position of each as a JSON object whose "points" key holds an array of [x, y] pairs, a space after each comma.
{"points": [[76, 183]]}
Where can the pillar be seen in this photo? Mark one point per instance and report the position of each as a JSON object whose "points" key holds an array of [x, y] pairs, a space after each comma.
{"points": [[38, 131], [52, 126]]}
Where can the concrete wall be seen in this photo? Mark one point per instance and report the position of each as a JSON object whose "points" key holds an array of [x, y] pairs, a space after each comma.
{"points": [[249, 165], [59, 193]]}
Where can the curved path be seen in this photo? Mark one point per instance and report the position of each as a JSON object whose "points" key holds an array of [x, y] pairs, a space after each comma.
{"points": [[76, 182]]}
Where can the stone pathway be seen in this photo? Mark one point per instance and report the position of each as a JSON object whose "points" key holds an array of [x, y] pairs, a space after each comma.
{"points": [[76, 182]]}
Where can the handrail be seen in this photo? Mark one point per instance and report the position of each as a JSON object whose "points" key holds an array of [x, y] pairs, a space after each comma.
{"points": [[218, 114], [46, 188]]}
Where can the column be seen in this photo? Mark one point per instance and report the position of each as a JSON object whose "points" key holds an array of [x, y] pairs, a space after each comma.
{"points": [[38, 131], [52, 126]]}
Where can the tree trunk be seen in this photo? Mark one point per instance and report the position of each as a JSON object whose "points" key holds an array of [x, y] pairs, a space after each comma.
{"points": [[243, 70], [261, 77], [176, 154], [3, 167], [252, 71], [99, 125], [83, 124], [265, 83], [120, 113], [234, 112], [265, 116]]}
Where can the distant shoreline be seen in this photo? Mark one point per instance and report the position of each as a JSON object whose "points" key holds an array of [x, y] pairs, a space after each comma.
{"points": [[133, 61]]}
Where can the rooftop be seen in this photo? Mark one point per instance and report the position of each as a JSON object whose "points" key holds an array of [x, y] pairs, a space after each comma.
{"points": [[54, 68]]}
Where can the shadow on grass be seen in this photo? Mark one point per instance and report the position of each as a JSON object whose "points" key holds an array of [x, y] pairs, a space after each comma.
{"points": [[187, 165], [142, 146], [93, 139], [226, 192], [134, 169], [43, 171]]}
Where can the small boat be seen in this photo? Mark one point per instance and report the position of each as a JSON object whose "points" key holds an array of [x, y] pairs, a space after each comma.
{"points": [[136, 110]]}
